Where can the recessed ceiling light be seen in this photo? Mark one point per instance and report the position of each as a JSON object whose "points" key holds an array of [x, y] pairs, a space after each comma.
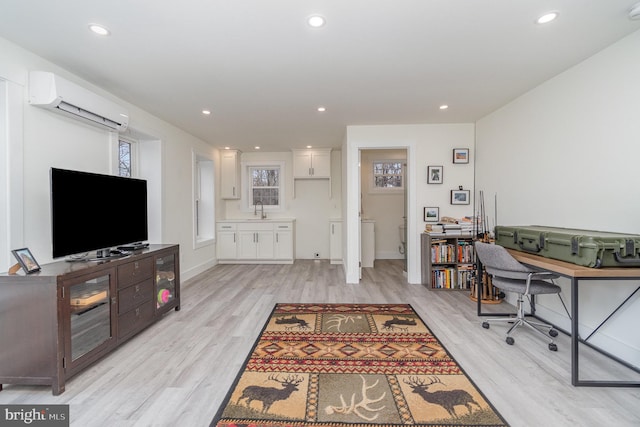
{"points": [[256, 147], [309, 146], [322, 109], [316, 21], [547, 17], [227, 148], [206, 112], [444, 107], [99, 29]]}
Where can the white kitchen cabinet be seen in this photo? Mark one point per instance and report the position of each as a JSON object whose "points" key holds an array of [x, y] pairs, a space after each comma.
{"points": [[312, 163], [367, 242], [256, 242], [335, 242], [226, 243], [230, 174], [283, 244]]}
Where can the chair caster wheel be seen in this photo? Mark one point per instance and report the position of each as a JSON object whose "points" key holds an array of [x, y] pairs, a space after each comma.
{"points": [[510, 340], [553, 332], [485, 325], [553, 347]]}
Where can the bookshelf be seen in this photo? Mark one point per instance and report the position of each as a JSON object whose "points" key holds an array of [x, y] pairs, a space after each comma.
{"points": [[448, 261]]}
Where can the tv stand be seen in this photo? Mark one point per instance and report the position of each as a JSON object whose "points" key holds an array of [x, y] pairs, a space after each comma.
{"points": [[60, 320]]}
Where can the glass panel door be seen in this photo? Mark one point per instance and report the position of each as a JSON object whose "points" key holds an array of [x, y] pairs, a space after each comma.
{"points": [[165, 281], [90, 315]]}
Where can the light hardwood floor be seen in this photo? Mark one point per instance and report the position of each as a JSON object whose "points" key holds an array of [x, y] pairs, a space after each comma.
{"points": [[177, 372]]}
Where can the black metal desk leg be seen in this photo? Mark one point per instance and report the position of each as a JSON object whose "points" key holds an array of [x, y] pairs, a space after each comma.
{"points": [[575, 339]]}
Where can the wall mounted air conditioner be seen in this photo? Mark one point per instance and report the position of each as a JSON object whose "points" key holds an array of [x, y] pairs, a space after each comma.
{"points": [[50, 91]]}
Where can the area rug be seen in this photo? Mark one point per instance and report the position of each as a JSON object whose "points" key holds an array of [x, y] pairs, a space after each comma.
{"points": [[335, 365]]}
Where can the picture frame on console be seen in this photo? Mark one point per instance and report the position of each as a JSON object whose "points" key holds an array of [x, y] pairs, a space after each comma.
{"points": [[26, 260]]}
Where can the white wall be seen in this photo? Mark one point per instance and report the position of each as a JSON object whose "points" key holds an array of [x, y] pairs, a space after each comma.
{"points": [[566, 154], [427, 144], [11, 171], [52, 140]]}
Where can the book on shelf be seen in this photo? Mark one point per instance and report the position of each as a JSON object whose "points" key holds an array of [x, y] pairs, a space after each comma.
{"points": [[465, 276], [444, 278], [466, 225]]}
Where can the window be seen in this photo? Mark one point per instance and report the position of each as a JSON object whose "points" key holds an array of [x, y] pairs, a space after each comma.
{"points": [[264, 183], [203, 201], [125, 158], [388, 175]]}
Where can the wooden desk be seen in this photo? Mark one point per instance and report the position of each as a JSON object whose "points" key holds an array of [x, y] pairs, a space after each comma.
{"points": [[576, 273]]}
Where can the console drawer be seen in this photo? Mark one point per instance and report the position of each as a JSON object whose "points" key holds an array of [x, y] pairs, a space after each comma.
{"points": [[135, 320], [134, 272], [135, 295]]}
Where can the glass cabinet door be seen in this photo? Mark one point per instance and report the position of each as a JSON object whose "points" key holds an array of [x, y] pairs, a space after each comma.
{"points": [[90, 315], [165, 281]]}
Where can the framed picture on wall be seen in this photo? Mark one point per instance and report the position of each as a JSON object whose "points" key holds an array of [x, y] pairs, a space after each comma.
{"points": [[434, 174], [431, 214], [460, 197], [460, 155]]}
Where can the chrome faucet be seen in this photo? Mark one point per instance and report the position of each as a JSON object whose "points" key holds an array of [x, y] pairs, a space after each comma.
{"points": [[255, 209]]}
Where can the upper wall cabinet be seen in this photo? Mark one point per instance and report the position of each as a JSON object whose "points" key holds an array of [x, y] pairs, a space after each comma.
{"points": [[230, 174], [312, 163]]}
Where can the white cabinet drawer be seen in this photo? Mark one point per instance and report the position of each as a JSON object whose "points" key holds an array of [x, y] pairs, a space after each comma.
{"points": [[226, 226], [282, 226]]}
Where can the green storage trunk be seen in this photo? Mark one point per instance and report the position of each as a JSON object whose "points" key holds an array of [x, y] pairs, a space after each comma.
{"points": [[581, 247]]}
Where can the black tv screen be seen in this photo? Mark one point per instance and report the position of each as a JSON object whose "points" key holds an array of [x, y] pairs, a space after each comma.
{"points": [[93, 212]]}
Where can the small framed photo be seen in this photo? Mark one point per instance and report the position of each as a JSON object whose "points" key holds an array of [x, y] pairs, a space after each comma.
{"points": [[26, 260], [460, 197], [460, 155], [431, 214], [434, 174]]}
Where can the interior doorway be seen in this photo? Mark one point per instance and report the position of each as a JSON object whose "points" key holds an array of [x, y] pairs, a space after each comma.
{"points": [[383, 189], [363, 138]]}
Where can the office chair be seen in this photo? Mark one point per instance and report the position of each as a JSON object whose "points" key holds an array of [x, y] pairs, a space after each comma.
{"points": [[510, 275]]}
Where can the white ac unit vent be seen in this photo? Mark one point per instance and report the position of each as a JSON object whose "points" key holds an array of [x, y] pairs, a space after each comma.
{"points": [[50, 91]]}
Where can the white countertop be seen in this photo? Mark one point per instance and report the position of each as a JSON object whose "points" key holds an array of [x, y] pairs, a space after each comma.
{"points": [[268, 219]]}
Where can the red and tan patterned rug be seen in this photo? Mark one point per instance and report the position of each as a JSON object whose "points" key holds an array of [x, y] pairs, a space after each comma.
{"points": [[351, 365]]}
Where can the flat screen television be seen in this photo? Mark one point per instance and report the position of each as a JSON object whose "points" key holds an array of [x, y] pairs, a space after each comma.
{"points": [[91, 211]]}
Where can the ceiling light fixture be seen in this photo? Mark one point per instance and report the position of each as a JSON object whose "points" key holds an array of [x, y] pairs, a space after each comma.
{"points": [[634, 12], [227, 148], [206, 112], [322, 109], [444, 107], [256, 147], [547, 17], [316, 21], [309, 146], [99, 29]]}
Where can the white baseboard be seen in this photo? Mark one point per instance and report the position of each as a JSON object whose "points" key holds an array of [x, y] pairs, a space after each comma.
{"points": [[194, 271], [389, 255]]}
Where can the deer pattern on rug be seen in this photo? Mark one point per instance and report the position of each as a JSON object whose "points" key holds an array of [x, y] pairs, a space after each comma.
{"points": [[352, 365]]}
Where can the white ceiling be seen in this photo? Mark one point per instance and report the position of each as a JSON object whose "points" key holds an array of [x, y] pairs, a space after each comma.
{"points": [[263, 71]]}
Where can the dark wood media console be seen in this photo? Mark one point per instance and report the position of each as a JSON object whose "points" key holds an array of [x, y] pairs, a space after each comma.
{"points": [[58, 321]]}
